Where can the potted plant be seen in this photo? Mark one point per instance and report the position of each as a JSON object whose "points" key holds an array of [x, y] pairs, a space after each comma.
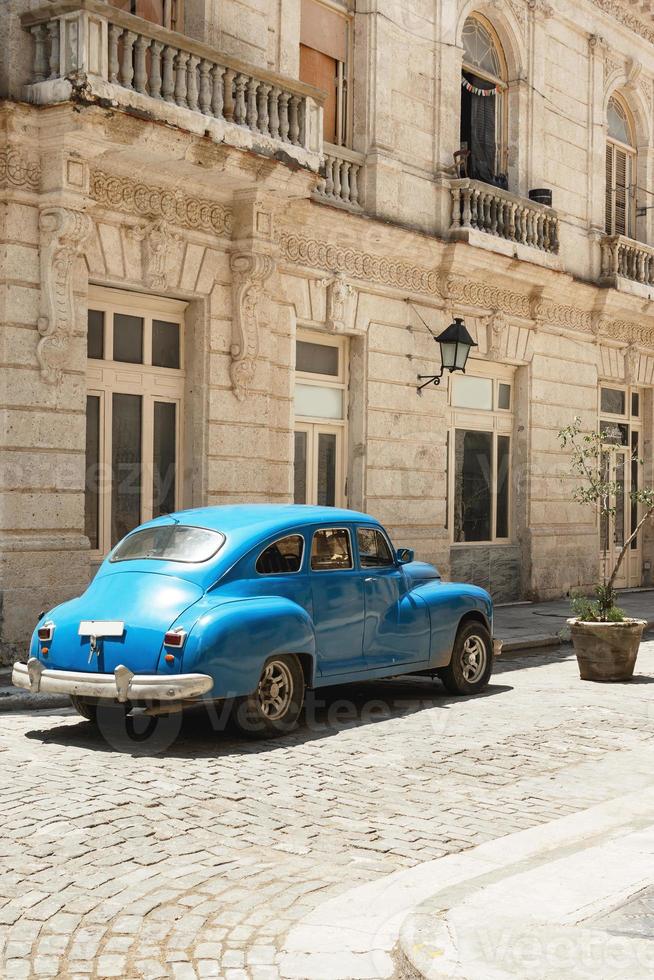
{"points": [[605, 639]]}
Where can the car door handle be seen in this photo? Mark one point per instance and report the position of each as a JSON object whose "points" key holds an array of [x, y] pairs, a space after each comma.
{"points": [[371, 578]]}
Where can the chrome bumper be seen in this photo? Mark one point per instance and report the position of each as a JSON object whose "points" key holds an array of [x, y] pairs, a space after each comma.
{"points": [[497, 648], [122, 685]]}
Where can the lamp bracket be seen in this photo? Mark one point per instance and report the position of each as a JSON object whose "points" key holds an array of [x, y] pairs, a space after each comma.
{"points": [[429, 379]]}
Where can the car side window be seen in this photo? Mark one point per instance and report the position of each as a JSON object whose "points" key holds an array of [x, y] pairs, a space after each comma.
{"points": [[331, 550], [282, 556], [374, 551]]}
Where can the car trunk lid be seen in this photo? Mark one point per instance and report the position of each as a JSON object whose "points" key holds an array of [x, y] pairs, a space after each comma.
{"points": [[146, 604]]}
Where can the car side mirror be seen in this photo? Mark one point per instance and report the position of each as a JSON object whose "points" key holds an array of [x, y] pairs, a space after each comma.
{"points": [[404, 556]]}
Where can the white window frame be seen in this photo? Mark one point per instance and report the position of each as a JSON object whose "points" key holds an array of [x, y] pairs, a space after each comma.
{"points": [[314, 426], [497, 421], [104, 377]]}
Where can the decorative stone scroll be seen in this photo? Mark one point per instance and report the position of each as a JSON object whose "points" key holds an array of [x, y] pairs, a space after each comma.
{"points": [[132, 197], [18, 170], [160, 248], [64, 233], [360, 265], [250, 270]]}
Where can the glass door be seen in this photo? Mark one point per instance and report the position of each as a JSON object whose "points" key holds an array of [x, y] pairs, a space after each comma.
{"points": [[620, 425], [318, 464], [320, 426]]}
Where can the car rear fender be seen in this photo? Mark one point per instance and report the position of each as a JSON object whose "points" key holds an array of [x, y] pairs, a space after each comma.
{"points": [[231, 640], [449, 603]]}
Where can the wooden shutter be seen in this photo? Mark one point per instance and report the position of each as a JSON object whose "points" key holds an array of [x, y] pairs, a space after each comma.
{"points": [[621, 184], [609, 190], [320, 70]]}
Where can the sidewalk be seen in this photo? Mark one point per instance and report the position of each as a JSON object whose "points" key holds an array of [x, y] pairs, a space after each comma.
{"points": [[572, 899], [541, 624]]}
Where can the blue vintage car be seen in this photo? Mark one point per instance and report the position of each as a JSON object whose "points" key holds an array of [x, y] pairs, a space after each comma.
{"points": [[255, 604]]}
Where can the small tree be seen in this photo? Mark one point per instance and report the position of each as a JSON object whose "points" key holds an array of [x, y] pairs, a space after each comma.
{"points": [[589, 463]]}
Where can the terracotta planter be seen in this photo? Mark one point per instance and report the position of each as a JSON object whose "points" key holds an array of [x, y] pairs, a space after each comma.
{"points": [[606, 651]]}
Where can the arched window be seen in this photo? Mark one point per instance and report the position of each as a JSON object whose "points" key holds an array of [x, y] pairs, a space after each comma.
{"points": [[620, 170], [483, 97]]}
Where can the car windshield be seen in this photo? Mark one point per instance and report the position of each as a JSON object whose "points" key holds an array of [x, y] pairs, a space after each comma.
{"points": [[170, 542]]}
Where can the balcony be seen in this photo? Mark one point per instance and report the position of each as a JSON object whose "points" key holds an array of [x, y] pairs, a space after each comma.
{"points": [[490, 217], [627, 265], [89, 51], [341, 185]]}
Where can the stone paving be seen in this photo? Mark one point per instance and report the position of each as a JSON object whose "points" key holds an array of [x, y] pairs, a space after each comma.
{"points": [[196, 861]]}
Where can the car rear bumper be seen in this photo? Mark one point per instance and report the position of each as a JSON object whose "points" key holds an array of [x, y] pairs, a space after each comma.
{"points": [[122, 685]]}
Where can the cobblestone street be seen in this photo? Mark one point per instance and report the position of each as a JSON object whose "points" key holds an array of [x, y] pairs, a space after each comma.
{"points": [[197, 861]]}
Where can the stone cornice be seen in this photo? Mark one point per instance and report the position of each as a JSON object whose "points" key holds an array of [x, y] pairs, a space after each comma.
{"points": [[119, 193], [457, 289], [619, 9]]}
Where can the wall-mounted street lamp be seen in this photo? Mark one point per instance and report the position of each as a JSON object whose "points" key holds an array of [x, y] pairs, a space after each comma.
{"points": [[456, 344]]}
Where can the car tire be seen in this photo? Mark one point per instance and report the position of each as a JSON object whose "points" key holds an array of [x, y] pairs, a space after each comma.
{"points": [[274, 707], [470, 668], [85, 708]]}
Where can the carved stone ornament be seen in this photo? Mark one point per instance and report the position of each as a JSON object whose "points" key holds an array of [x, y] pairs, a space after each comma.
{"points": [[631, 365], [250, 270], [19, 170], [64, 233], [341, 304], [117, 193], [160, 252], [496, 328], [620, 10]]}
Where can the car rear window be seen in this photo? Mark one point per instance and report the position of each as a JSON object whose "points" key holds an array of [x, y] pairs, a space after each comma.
{"points": [[170, 542]]}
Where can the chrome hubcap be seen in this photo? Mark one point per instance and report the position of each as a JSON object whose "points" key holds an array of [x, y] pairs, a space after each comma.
{"points": [[473, 659], [275, 690]]}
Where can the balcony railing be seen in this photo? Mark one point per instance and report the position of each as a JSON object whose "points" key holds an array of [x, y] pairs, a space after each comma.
{"points": [[624, 258], [111, 54], [483, 207], [342, 183]]}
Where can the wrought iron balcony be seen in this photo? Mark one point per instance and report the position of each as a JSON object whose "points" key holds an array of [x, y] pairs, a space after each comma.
{"points": [[477, 206], [89, 50]]}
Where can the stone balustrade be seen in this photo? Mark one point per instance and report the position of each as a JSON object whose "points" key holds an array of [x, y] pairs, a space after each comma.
{"points": [[489, 209], [341, 184], [624, 258], [112, 53]]}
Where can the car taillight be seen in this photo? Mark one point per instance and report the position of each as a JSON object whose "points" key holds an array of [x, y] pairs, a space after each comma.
{"points": [[175, 639], [45, 632]]}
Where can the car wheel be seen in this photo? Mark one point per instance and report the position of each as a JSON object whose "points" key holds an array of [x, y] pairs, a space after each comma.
{"points": [[469, 670], [84, 708], [273, 709]]}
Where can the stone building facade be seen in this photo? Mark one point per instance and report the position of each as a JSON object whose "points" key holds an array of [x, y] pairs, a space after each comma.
{"points": [[228, 228]]}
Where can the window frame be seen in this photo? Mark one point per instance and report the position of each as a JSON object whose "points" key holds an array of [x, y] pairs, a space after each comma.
{"points": [[313, 426], [344, 86], [334, 527], [630, 150], [104, 377], [502, 112], [496, 421], [391, 550], [298, 571]]}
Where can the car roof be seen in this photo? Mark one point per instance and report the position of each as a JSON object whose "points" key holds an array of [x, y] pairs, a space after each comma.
{"points": [[262, 518], [244, 526]]}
